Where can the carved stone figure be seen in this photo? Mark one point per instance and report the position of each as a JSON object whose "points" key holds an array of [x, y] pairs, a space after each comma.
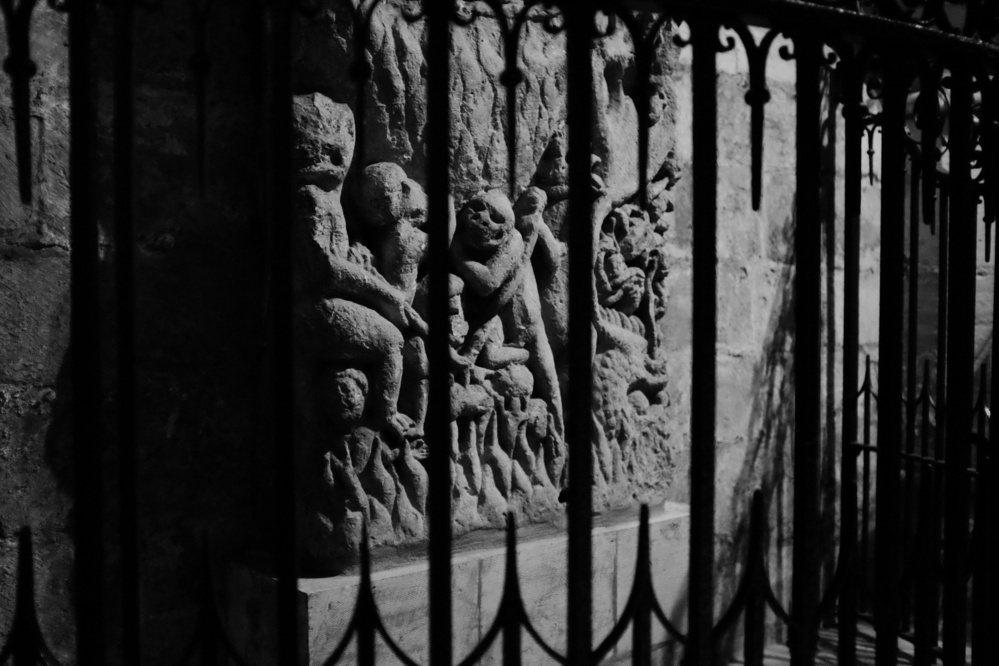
{"points": [[361, 294], [492, 251], [349, 317], [391, 211], [357, 317]]}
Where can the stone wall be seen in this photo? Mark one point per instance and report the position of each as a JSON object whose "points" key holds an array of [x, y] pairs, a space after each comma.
{"points": [[204, 465]]}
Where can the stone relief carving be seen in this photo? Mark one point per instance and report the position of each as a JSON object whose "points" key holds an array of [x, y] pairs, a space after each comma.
{"points": [[360, 289]]}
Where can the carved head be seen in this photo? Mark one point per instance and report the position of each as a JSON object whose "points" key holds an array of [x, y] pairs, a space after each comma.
{"points": [[387, 197], [322, 140], [486, 220], [342, 393], [631, 228], [553, 170]]}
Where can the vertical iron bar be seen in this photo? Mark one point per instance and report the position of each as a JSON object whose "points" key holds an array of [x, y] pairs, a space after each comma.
{"points": [[865, 528], [208, 624], [889, 446], [980, 566], [960, 370], [911, 371], [928, 112], [366, 612], [940, 454], [85, 337], [991, 551], [280, 190], [853, 134], [807, 352], [21, 68], [832, 565], [511, 77], [925, 597], [438, 414], [704, 35], [756, 626], [580, 16], [124, 207], [511, 607], [641, 632], [644, 52]]}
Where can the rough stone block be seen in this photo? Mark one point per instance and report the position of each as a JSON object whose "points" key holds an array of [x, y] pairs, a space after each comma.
{"points": [[669, 558], [34, 314], [401, 593]]}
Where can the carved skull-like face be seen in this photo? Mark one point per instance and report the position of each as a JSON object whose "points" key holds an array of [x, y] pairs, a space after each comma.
{"points": [[387, 197], [553, 170], [323, 141], [342, 394], [486, 220], [632, 230]]}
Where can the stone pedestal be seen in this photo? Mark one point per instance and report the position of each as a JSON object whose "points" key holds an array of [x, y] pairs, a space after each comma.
{"points": [[400, 588]]}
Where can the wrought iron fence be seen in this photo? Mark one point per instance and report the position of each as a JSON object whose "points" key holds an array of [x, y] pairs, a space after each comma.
{"points": [[888, 56]]}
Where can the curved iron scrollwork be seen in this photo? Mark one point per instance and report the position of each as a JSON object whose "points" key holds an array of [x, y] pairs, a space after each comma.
{"points": [[757, 96], [200, 64]]}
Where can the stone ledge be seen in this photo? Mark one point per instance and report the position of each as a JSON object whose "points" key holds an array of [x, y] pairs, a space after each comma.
{"points": [[400, 588]]}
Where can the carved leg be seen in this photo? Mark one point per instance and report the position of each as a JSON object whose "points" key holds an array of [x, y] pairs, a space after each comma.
{"points": [[346, 332]]}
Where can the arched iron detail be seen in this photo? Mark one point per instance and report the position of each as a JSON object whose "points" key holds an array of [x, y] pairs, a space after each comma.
{"points": [[21, 69], [24, 643]]}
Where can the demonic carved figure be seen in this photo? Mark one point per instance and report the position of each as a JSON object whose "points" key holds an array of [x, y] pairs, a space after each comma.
{"points": [[336, 501], [629, 277], [491, 251], [619, 285], [348, 313]]}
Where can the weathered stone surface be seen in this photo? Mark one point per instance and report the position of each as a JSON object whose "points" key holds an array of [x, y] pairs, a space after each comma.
{"points": [[34, 314], [478, 573], [361, 288]]}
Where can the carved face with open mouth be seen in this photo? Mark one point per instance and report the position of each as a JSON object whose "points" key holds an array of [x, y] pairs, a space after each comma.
{"points": [[487, 220]]}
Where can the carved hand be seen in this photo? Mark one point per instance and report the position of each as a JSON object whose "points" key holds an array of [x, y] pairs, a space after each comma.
{"points": [[414, 322]]}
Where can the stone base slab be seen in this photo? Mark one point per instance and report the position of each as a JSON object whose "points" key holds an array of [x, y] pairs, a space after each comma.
{"points": [[401, 592]]}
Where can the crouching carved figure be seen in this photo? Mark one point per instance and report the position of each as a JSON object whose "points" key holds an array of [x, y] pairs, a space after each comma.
{"points": [[352, 325]]}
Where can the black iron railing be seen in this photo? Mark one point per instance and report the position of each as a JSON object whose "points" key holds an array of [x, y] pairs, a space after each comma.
{"points": [[881, 48]]}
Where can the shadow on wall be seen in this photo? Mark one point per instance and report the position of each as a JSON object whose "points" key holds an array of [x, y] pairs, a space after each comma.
{"points": [[200, 306], [770, 439], [199, 473]]}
